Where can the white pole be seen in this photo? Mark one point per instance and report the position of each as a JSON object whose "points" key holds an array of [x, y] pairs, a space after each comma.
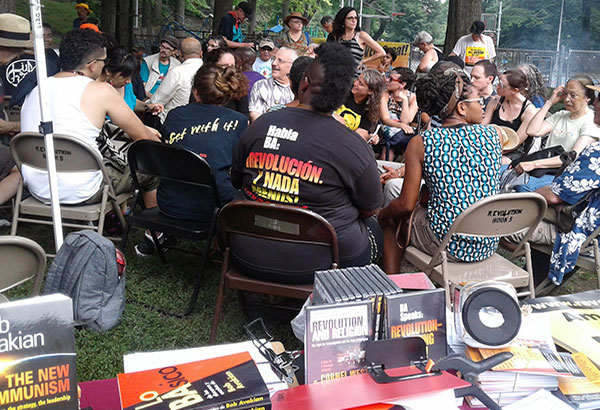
{"points": [[361, 13], [137, 12], [499, 28], [562, 8], [46, 119]]}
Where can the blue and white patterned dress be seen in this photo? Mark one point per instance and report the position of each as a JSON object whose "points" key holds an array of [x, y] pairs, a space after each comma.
{"points": [[579, 179], [461, 167]]}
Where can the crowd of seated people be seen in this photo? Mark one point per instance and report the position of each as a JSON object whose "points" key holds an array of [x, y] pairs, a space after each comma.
{"points": [[337, 110]]}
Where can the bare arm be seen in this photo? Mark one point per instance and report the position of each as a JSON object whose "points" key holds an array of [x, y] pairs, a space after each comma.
{"points": [[528, 115], [451, 54], [555, 162], [426, 60], [409, 108], [406, 202], [366, 40], [550, 197], [489, 110], [122, 116], [538, 125], [9, 127], [254, 115], [234, 44]]}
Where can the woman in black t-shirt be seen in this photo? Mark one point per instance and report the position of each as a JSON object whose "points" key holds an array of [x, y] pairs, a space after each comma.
{"points": [[360, 112], [209, 129]]}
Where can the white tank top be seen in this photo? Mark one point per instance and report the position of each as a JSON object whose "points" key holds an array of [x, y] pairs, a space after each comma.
{"points": [[68, 118]]}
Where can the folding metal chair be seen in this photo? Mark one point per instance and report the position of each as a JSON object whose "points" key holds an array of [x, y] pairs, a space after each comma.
{"points": [[274, 222], [495, 216], [22, 260], [168, 162], [75, 156]]}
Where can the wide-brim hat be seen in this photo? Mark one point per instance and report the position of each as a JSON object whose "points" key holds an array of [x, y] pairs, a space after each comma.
{"points": [[15, 31], [296, 15], [510, 137]]}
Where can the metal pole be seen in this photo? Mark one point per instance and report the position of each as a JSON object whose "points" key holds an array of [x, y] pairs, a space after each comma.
{"points": [[137, 11], [360, 14], [498, 29], [562, 8], [45, 116]]}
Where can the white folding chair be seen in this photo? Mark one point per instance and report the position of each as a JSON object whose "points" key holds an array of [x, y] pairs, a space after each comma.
{"points": [[495, 216]]}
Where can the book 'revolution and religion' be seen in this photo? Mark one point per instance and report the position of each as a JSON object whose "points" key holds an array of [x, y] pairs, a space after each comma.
{"points": [[227, 382], [335, 340], [37, 350]]}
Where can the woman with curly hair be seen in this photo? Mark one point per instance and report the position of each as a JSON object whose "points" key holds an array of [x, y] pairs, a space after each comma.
{"points": [[209, 129], [536, 86], [460, 164], [361, 111]]}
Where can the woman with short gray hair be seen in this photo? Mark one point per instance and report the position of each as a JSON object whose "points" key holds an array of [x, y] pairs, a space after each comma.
{"points": [[432, 54]]}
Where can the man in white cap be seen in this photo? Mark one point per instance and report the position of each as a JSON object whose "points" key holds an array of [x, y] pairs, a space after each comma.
{"points": [[262, 64]]}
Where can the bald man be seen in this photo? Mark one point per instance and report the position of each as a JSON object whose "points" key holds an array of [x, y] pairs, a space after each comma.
{"points": [[175, 89]]}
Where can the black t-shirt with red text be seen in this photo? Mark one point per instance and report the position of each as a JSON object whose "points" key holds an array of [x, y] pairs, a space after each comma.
{"points": [[298, 157]]}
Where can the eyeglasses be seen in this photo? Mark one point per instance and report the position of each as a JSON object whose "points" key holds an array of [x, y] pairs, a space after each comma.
{"points": [[296, 21], [480, 100], [98, 59], [162, 47], [280, 61], [352, 18]]}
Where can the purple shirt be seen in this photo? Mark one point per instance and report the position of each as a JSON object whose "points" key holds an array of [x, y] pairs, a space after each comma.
{"points": [[252, 77]]}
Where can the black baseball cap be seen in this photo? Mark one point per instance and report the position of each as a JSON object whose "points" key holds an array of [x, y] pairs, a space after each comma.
{"points": [[245, 7], [477, 27]]}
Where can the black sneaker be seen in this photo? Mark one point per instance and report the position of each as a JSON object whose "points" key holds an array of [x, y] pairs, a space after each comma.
{"points": [[145, 248]]}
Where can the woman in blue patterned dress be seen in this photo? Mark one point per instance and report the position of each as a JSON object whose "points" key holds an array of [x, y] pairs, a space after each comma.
{"points": [[459, 163]]}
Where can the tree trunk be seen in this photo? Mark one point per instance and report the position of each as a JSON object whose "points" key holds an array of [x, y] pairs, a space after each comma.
{"points": [[108, 17], [252, 4], [382, 25], [285, 9], [157, 12], [8, 6], [146, 13], [461, 14], [124, 24], [222, 7], [586, 9], [180, 11]]}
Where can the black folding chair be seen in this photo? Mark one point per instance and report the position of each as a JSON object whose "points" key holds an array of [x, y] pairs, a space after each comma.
{"points": [[176, 164]]}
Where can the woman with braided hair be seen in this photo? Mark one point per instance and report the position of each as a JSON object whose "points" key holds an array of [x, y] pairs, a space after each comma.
{"points": [[207, 128], [459, 163]]}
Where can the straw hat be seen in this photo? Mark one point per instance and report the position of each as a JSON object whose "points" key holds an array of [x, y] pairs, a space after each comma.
{"points": [[14, 31], [297, 15], [593, 87], [510, 137]]}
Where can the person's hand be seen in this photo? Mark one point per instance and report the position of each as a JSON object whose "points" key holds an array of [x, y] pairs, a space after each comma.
{"points": [[525, 167], [373, 139], [557, 95], [406, 128], [155, 109], [154, 132], [391, 173], [403, 95]]}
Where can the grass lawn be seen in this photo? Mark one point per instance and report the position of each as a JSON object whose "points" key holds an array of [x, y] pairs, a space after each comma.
{"points": [[99, 355]]}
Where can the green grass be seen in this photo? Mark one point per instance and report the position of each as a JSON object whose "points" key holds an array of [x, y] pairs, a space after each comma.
{"points": [[99, 355], [58, 14]]}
